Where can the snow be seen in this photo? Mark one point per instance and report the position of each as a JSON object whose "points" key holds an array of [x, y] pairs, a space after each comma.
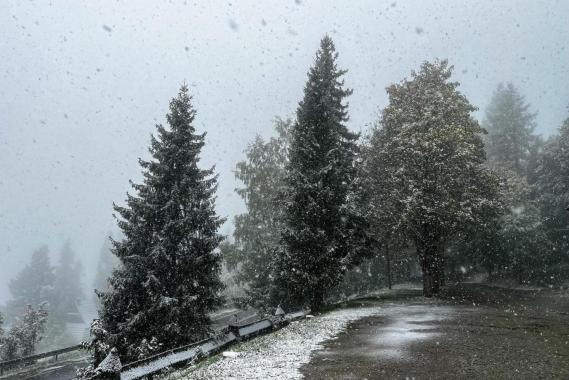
{"points": [[278, 355], [255, 327], [177, 357], [111, 364]]}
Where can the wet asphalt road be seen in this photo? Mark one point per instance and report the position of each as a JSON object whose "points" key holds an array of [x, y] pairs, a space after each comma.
{"points": [[426, 339]]}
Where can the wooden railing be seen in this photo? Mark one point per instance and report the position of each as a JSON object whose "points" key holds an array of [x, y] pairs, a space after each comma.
{"points": [[33, 358]]}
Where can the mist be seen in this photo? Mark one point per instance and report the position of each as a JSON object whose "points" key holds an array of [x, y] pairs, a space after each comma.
{"points": [[83, 84]]}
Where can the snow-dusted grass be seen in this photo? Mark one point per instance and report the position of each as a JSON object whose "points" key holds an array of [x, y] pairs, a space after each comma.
{"points": [[278, 355]]}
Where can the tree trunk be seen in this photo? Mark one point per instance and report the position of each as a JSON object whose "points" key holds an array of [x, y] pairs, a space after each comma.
{"points": [[388, 263], [432, 266], [317, 300], [490, 270]]}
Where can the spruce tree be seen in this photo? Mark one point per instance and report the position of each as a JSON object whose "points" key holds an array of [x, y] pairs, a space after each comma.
{"points": [[522, 235], [552, 193], [1, 328], [168, 280], [33, 285], [322, 231], [105, 265], [433, 156], [68, 292], [257, 232], [510, 127]]}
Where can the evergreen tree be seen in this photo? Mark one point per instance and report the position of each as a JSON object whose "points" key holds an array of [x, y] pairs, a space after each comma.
{"points": [[552, 192], [105, 265], [433, 155], [168, 280], [537, 150], [25, 334], [33, 285], [68, 292], [323, 233], [257, 232], [31, 328], [383, 203], [1, 327], [510, 127], [522, 236], [97, 346]]}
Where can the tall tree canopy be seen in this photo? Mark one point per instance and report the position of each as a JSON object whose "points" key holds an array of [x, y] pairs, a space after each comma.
{"points": [[322, 230], [552, 191], [432, 152], [522, 237], [510, 127], [68, 292], [33, 285], [105, 265], [257, 232], [168, 280]]}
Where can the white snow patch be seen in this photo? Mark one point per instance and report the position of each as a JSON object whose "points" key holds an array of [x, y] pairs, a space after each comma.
{"points": [[279, 355]]}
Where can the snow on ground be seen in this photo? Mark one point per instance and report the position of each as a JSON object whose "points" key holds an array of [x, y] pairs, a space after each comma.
{"points": [[278, 355]]}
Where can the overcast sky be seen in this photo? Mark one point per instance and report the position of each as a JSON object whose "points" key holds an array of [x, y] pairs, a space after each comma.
{"points": [[83, 83]]}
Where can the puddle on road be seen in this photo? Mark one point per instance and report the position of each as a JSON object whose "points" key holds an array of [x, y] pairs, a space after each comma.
{"points": [[403, 328]]}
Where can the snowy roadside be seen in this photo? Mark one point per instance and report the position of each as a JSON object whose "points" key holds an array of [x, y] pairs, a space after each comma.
{"points": [[278, 355]]}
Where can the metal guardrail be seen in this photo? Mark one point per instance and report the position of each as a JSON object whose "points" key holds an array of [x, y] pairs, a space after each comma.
{"points": [[32, 358], [233, 333]]}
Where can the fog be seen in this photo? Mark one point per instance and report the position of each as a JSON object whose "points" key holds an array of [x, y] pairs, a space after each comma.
{"points": [[82, 85]]}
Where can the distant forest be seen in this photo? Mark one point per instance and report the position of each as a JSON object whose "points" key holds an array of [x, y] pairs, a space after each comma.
{"points": [[430, 194]]}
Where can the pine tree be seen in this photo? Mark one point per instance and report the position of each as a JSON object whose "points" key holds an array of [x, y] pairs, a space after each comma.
{"points": [[33, 285], [510, 127], [257, 232], [322, 233], [433, 155], [168, 280]]}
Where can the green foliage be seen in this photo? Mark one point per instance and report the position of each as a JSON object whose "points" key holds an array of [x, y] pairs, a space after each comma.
{"points": [[105, 265], [68, 293], [97, 346], [522, 237], [510, 127], [33, 285], [323, 232], [25, 334], [432, 153], [257, 232], [1, 327], [168, 280], [551, 190]]}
